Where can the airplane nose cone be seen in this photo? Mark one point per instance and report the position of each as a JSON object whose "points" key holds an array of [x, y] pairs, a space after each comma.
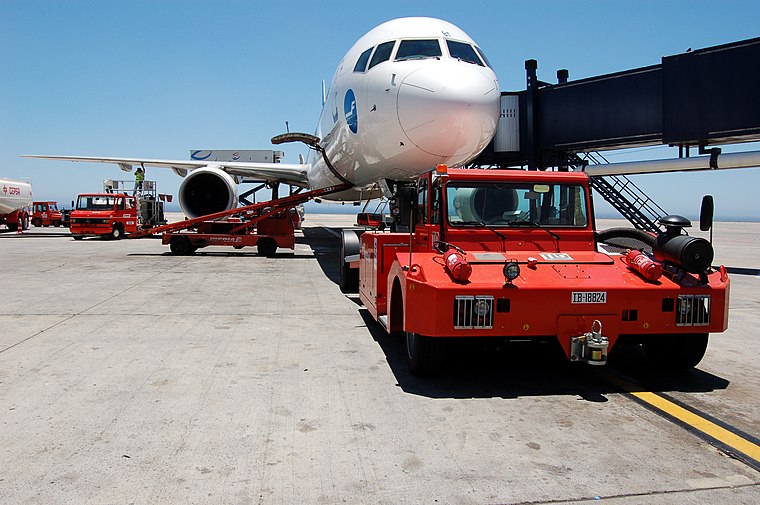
{"points": [[449, 109]]}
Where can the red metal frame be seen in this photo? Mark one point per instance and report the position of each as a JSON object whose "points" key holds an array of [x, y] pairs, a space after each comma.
{"points": [[245, 226]]}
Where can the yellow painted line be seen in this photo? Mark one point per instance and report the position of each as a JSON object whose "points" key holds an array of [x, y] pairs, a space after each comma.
{"points": [[697, 422]]}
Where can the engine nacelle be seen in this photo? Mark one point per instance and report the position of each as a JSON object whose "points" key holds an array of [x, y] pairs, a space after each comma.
{"points": [[207, 190]]}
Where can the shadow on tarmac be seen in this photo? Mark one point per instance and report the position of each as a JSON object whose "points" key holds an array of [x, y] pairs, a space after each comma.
{"points": [[481, 369], [743, 271], [325, 247]]}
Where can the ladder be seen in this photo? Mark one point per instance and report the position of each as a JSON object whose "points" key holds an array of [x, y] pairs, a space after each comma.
{"points": [[627, 198]]}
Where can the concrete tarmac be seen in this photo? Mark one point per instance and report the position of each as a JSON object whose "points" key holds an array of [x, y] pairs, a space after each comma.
{"points": [[128, 375]]}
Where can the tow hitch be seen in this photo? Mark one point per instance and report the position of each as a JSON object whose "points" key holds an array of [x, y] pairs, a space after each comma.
{"points": [[590, 347]]}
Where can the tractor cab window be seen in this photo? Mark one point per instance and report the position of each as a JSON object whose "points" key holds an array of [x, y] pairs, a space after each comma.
{"points": [[53, 207], [435, 202], [382, 53], [422, 195], [517, 204], [418, 49], [95, 202]]}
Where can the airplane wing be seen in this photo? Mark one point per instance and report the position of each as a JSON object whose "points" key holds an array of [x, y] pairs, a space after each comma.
{"points": [[294, 174]]}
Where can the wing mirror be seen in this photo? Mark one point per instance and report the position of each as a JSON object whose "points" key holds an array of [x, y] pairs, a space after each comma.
{"points": [[706, 213]]}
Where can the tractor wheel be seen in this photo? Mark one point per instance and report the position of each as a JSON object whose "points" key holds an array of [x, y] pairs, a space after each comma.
{"points": [[676, 352], [36, 222], [266, 247], [181, 246], [349, 277], [424, 355], [117, 232], [56, 223]]}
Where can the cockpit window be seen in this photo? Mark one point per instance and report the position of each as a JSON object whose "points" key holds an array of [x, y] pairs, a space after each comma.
{"points": [[382, 53], [463, 52], [483, 56], [418, 49], [361, 64]]}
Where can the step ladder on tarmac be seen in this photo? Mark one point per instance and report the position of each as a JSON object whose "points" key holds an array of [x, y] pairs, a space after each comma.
{"points": [[627, 198]]}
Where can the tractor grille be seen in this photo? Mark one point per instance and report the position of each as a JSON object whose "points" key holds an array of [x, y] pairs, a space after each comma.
{"points": [[473, 312], [693, 310]]}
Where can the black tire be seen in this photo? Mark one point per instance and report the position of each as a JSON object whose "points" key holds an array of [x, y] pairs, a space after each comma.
{"points": [[56, 223], [266, 247], [627, 238], [117, 232], [424, 355], [36, 222], [181, 246], [676, 352], [349, 277], [12, 226]]}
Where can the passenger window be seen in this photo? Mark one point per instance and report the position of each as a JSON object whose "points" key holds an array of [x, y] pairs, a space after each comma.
{"points": [[382, 53], [361, 64], [463, 52], [418, 49]]}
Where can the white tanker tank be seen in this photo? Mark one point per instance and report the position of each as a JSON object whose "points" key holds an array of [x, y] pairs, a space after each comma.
{"points": [[15, 198]]}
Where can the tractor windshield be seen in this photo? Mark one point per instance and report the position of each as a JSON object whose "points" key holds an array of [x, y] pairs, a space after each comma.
{"points": [[95, 202], [516, 204]]}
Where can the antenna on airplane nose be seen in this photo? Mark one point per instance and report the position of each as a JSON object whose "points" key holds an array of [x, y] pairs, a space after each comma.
{"points": [[287, 127]]}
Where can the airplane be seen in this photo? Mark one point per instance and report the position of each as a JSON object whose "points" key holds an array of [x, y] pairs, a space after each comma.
{"points": [[410, 94]]}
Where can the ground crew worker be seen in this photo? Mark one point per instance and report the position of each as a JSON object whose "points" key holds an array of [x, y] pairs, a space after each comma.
{"points": [[139, 178]]}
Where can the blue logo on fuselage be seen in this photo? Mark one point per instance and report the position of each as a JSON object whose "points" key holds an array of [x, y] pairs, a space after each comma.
{"points": [[349, 108]]}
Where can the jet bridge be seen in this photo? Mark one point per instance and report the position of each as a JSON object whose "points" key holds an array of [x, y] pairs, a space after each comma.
{"points": [[691, 100]]}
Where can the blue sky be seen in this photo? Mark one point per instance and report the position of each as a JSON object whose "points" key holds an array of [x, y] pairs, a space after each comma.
{"points": [[157, 78]]}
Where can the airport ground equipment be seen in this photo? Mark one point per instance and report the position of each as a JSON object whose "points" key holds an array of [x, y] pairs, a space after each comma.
{"points": [[15, 199], [120, 209], [46, 214], [513, 254], [110, 215], [266, 225]]}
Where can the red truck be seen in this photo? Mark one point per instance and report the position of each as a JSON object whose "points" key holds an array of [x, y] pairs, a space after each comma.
{"points": [[109, 215], [46, 214], [494, 254]]}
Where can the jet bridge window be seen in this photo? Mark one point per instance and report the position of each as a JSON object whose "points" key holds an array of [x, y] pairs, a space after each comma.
{"points": [[382, 53], [361, 64], [463, 52], [418, 49]]}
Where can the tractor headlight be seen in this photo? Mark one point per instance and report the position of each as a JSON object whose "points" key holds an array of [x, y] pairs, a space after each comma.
{"points": [[482, 307], [511, 270]]}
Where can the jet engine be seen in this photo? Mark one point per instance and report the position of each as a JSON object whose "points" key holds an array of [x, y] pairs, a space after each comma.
{"points": [[207, 190]]}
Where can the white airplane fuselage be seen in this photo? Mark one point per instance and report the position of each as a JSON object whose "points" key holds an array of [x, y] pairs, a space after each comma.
{"points": [[410, 94], [422, 95]]}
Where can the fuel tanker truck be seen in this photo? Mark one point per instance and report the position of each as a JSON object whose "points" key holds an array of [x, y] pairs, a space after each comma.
{"points": [[514, 255], [15, 199]]}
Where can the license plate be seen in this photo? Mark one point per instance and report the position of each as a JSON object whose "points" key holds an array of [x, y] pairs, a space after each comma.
{"points": [[589, 297]]}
